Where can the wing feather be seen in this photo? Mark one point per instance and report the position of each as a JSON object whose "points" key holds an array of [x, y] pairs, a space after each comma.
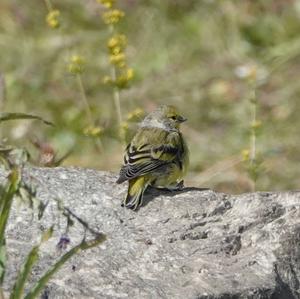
{"points": [[149, 156]]}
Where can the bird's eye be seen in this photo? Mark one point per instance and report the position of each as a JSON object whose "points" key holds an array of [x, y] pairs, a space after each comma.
{"points": [[173, 117]]}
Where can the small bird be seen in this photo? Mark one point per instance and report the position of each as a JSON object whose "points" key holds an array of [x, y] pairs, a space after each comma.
{"points": [[157, 156]]}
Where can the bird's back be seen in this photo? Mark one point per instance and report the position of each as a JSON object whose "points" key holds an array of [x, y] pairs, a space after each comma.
{"points": [[149, 136]]}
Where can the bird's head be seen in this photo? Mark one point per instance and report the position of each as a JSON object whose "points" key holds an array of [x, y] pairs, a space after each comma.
{"points": [[166, 117]]}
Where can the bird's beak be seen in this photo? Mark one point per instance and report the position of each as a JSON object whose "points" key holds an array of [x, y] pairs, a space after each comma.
{"points": [[182, 119]]}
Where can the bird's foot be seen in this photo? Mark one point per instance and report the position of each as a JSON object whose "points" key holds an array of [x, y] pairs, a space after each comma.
{"points": [[172, 187]]}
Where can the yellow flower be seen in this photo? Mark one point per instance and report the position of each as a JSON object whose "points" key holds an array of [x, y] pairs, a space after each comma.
{"points": [[123, 79], [246, 155], [116, 50], [129, 74], [124, 125], [93, 131], [112, 42], [77, 59], [118, 59], [118, 40], [52, 19], [113, 16], [107, 3], [256, 124], [123, 130], [135, 114], [107, 80], [76, 64]]}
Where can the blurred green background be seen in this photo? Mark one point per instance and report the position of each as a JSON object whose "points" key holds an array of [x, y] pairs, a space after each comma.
{"points": [[190, 53]]}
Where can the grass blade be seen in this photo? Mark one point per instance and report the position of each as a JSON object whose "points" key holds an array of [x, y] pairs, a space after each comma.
{"points": [[5, 206], [2, 262], [16, 116], [18, 289], [36, 290]]}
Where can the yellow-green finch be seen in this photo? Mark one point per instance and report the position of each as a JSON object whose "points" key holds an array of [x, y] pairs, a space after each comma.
{"points": [[156, 156]]}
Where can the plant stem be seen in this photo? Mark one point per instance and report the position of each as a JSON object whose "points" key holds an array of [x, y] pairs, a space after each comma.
{"points": [[48, 4], [84, 99], [99, 144], [253, 136], [116, 95], [84, 245], [116, 91], [2, 98], [253, 133]]}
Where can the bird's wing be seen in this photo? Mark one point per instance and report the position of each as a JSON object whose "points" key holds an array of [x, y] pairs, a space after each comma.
{"points": [[149, 157]]}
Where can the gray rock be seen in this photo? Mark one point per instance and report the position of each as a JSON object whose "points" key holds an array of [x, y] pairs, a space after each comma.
{"points": [[189, 244]]}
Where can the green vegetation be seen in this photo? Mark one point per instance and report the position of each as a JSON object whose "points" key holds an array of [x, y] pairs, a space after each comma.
{"points": [[13, 160], [197, 55]]}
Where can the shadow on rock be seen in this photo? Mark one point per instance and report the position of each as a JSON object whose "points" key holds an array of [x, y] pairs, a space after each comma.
{"points": [[152, 192]]}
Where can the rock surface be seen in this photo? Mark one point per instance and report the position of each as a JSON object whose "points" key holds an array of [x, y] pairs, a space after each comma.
{"points": [[189, 244]]}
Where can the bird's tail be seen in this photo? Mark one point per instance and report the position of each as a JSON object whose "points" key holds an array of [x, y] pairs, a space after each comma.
{"points": [[135, 193]]}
